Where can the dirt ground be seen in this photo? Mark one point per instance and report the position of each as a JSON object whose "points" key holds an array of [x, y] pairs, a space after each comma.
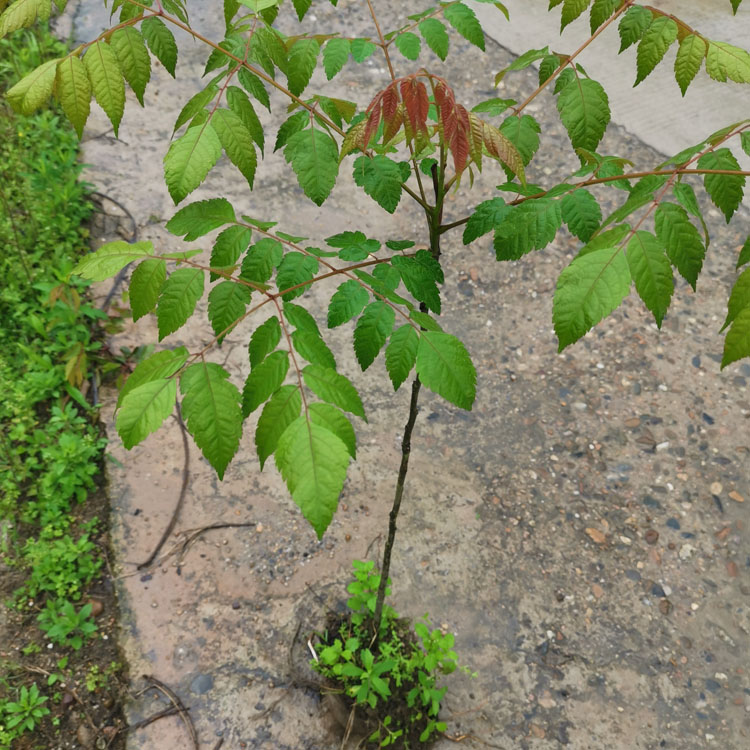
{"points": [[583, 530]]}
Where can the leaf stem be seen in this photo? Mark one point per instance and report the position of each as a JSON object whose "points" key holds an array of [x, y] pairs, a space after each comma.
{"points": [[572, 57]]}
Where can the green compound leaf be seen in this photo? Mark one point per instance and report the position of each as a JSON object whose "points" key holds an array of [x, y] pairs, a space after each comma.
{"points": [[584, 110], [194, 105], [362, 49], [372, 331], [436, 36], [241, 105], [652, 273], [290, 126], [726, 191], [161, 42], [159, 365], [571, 10], [744, 256], [523, 133], [633, 25], [227, 302], [311, 347], [421, 274], [444, 366], [409, 45], [314, 157], [283, 408], [313, 462], [264, 380], [334, 421], [528, 226], [588, 290], [144, 409], [261, 259], [300, 318], [464, 21], [335, 55], [494, 106], [303, 57], [522, 62], [725, 61], [145, 286], [254, 86], [354, 245], [73, 92], [654, 44], [688, 61], [401, 354], [189, 159], [582, 213], [111, 258], [347, 301], [34, 89], [381, 178], [199, 218], [237, 142], [179, 295], [737, 342], [211, 408], [295, 269], [301, 6], [333, 387], [22, 14], [229, 246], [739, 299], [681, 239], [601, 11], [134, 59], [486, 217], [264, 340]]}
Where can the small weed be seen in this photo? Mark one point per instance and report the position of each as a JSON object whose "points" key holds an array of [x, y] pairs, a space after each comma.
{"points": [[25, 713], [393, 675], [97, 679], [64, 626]]}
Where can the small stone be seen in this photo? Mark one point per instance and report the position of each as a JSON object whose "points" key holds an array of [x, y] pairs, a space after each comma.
{"points": [[202, 684], [665, 606], [235, 604], [154, 605], [716, 488], [85, 736], [598, 590], [734, 495], [96, 607], [732, 569], [673, 523], [547, 701], [686, 551], [657, 590], [712, 686], [633, 422], [652, 536], [598, 536], [723, 533], [633, 575], [537, 731], [661, 446], [348, 537], [579, 406], [259, 528]]}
